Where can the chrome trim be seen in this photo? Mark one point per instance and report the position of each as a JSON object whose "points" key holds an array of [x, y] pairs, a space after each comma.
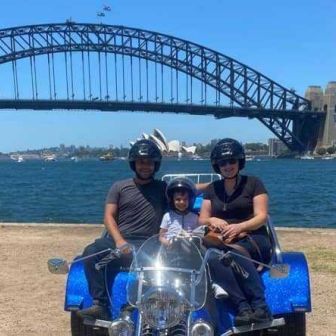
{"points": [[158, 269], [202, 323], [274, 241], [196, 178]]}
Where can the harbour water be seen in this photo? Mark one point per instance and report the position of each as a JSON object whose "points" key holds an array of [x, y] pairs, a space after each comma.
{"points": [[302, 192]]}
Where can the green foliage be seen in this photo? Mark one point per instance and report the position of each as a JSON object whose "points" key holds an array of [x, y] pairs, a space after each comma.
{"points": [[321, 151], [256, 147], [331, 150], [205, 150], [253, 148], [82, 152]]}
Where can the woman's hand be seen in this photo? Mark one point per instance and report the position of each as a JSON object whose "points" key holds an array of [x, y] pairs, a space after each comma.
{"points": [[232, 232], [217, 224]]}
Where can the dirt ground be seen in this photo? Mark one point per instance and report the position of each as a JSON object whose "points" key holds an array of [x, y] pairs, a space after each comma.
{"points": [[32, 299]]}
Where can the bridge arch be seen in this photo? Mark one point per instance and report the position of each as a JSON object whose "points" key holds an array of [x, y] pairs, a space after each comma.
{"points": [[249, 93]]}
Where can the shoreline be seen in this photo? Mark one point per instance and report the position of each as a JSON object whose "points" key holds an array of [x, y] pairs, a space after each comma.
{"points": [[95, 225]]}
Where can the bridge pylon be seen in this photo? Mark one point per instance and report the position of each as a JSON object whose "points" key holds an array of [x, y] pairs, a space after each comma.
{"points": [[325, 102]]}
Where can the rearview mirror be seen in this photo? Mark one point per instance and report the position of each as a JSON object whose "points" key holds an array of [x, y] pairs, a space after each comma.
{"points": [[279, 271], [58, 266]]}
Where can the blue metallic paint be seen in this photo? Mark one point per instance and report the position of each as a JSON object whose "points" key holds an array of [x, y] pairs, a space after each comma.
{"points": [[284, 295]]}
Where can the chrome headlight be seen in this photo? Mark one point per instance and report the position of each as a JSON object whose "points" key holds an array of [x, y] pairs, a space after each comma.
{"points": [[121, 327], [162, 308], [201, 328]]}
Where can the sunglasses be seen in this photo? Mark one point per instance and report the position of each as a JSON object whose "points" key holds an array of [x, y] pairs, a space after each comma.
{"points": [[223, 163]]}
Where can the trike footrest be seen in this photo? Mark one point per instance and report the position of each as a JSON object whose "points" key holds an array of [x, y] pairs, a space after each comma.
{"points": [[97, 323], [255, 326]]}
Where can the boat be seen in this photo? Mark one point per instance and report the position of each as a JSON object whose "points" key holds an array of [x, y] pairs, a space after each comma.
{"points": [[249, 157], [49, 157], [306, 157], [196, 157], [106, 157], [17, 158]]}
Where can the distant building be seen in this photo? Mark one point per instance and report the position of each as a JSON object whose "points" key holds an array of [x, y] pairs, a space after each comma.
{"points": [[325, 101], [276, 147]]}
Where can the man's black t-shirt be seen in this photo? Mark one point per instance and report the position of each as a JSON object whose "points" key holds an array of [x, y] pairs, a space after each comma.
{"points": [[238, 206], [140, 207]]}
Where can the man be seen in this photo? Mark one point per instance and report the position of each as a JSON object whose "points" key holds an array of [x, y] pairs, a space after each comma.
{"points": [[133, 213]]}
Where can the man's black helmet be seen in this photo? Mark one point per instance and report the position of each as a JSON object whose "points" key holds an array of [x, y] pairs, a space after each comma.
{"points": [[145, 149], [227, 149], [181, 184]]}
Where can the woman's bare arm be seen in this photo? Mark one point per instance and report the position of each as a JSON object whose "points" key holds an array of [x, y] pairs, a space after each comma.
{"points": [[260, 210]]}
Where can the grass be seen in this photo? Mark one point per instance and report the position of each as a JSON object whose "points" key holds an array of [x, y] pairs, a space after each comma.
{"points": [[321, 259]]}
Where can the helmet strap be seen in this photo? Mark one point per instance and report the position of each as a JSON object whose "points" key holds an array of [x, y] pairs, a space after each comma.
{"points": [[142, 179], [231, 178], [186, 211]]}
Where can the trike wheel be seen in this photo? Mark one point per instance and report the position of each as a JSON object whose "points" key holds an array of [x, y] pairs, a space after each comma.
{"points": [[78, 328], [295, 325]]}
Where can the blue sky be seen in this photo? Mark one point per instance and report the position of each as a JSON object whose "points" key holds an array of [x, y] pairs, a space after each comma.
{"points": [[292, 42]]}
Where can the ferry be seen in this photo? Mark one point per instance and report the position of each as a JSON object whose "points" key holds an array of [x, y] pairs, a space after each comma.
{"points": [[17, 158], [106, 157], [49, 158]]}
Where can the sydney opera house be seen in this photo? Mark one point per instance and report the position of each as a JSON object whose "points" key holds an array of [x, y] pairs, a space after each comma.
{"points": [[173, 147]]}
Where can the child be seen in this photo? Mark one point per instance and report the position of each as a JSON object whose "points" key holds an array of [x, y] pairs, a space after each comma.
{"points": [[181, 194]]}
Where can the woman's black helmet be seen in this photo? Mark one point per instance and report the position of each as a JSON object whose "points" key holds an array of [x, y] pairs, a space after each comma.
{"points": [[181, 184], [145, 149], [227, 149]]}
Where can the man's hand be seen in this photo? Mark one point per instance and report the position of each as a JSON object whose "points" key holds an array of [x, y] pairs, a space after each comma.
{"points": [[164, 241], [123, 246]]}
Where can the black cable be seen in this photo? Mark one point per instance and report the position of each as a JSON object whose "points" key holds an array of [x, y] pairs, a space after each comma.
{"points": [[115, 71], [66, 73], [83, 75], [49, 77], [100, 76], [32, 76], [89, 72], [71, 74], [53, 72]]}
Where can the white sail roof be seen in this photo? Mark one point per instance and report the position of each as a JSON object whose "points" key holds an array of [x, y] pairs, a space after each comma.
{"points": [[158, 134], [158, 142]]}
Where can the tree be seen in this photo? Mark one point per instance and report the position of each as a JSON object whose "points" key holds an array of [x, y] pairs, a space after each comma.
{"points": [[331, 150], [321, 151]]}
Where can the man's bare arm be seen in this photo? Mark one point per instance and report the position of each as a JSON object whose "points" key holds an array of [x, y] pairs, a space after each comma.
{"points": [[111, 212]]}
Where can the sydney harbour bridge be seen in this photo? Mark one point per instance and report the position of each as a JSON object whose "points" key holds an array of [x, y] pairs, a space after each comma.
{"points": [[77, 66]]}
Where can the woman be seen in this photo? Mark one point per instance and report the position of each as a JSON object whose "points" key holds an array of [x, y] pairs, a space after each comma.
{"points": [[237, 207]]}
